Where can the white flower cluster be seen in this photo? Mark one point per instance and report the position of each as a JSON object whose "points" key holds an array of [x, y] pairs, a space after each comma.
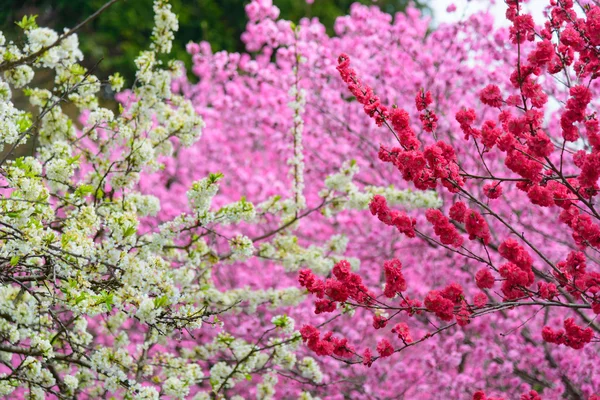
{"points": [[202, 192], [266, 389], [242, 248], [241, 210], [72, 247], [116, 82], [165, 24], [247, 300], [408, 198], [296, 162], [286, 209], [284, 322], [320, 259], [13, 122], [343, 194], [310, 369], [240, 360]]}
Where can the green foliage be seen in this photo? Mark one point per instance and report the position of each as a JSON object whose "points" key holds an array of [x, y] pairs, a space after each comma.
{"points": [[117, 36], [27, 22], [214, 178]]}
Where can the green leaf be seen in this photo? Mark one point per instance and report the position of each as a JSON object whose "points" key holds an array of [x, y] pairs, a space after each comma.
{"points": [[43, 197], [64, 240], [280, 322], [129, 231], [73, 160], [99, 194], [77, 69], [14, 260], [20, 162], [8, 56], [84, 190], [27, 23], [14, 214], [49, 238], [160, 301], [213, 178], [107, 299], [35, 222], [80, 298]]}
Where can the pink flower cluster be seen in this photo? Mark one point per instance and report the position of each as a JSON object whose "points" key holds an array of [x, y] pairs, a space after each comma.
{"points": [[400, 220], [344, 286]]}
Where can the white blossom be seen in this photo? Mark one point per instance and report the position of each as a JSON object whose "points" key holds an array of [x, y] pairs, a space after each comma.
{"points": [[242, 248], [71, 381]]}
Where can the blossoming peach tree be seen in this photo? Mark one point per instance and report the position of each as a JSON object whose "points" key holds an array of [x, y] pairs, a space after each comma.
{"points": [[142, 261], [532, 170]]}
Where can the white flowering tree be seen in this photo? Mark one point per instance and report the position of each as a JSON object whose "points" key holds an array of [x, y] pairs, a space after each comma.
{"points": [[89, 303]]}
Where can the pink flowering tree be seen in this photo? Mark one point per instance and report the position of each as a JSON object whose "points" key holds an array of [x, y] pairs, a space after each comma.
{"points": [[492, 291], [427, 282]]}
